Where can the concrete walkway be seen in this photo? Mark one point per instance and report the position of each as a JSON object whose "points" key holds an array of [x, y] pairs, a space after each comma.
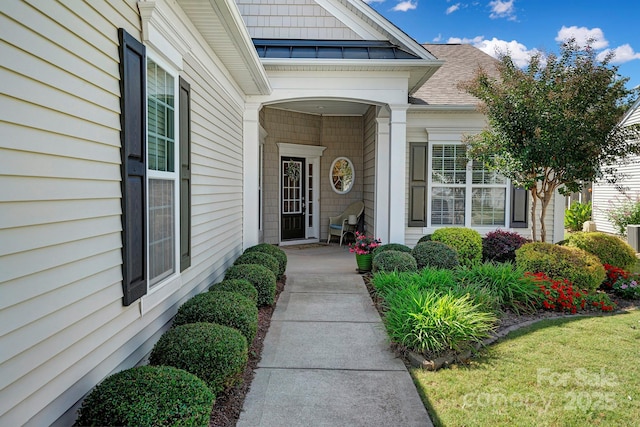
{"points": [[326, 359]]}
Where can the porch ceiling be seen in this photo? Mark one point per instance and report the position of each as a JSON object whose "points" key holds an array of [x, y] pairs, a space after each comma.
{"points": [[325, 107]]}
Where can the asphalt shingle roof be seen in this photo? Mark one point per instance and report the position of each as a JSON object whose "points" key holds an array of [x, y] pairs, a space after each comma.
{"points": [[461, 63]]}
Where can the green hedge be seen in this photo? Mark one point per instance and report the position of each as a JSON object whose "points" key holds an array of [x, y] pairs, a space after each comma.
{"points": [[435, 254], [215, 353], [392, 247], [465, 241], [148, 396], [239, 286], [387, 261], [610, 249], [224, 308], [260, 277], [582, 269], [260, 258], [273, 251]]}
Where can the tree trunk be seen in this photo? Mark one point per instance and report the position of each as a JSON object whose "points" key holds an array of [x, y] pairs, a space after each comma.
{"points": [[534, 204]]}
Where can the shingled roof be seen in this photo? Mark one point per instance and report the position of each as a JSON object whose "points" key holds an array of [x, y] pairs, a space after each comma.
{"points": [[461, 63]]}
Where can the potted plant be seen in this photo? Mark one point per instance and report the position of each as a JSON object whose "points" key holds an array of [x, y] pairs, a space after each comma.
{"points": [[363, 248]]}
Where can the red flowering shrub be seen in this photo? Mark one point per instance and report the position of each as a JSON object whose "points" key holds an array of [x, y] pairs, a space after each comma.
{"points": [[613, 274], [560, 295]]}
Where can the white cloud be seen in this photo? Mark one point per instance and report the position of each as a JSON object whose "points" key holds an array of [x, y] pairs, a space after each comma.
{"points": [[583, 35], [453, 8], [494, 47], [502, 9], [404, 6], [622, 54], [437, 39]]}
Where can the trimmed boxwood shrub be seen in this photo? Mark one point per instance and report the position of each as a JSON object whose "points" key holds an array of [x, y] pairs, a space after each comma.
{"points": [[148, 396], [387, 261], [215, 353], [500, 245], [610, 249], [275, 252], [392, 247], [435, 254], [260, 277], [582, 269], [239, 286], [466, 242], [222, 307], [425, 238], [260, 258]]}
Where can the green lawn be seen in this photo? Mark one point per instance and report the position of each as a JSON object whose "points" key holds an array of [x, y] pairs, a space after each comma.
{"points": [[563, 372]]}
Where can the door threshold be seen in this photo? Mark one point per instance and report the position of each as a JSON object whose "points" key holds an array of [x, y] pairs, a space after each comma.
{"points": [[298, 242]]}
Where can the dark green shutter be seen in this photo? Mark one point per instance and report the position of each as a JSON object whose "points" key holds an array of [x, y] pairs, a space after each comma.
{"points": [[418, 155], [134, 168], [519, 208], [185, 174]]}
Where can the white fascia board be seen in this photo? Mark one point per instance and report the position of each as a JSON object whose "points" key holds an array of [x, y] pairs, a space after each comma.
{"points": [[456, 108], [630, 112], [355, 23], [231, 18]]}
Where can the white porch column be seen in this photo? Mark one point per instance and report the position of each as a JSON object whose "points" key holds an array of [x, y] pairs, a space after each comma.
{"points": [[251, 176], [397, 172], [558, 218], [381, 210]]}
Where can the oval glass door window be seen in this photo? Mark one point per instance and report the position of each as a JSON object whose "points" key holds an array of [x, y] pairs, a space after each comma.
{"points": [[342, 175]]}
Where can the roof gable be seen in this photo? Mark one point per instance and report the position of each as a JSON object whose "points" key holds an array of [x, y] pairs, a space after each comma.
{"points": [[461, 63]]}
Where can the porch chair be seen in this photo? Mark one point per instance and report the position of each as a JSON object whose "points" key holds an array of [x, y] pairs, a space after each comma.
{"points": [[339, 225]]}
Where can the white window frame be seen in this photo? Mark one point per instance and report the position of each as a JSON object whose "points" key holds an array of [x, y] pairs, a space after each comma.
{"points": [[468, 187], [164, 175]]}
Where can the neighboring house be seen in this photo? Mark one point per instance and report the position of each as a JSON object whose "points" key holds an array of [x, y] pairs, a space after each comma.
{"points": [[146, 144], [606, 196]]}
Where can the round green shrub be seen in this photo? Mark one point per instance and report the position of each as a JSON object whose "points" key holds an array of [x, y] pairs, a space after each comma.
{"points": [[466, 242], [260, 258], [275, 252], [425, 238], [387, 261], [260, 277], [222, 307], [148, 396], [239, 286], [215, 353], [610, 249], [392, 247], [579, 267], [435, 254]]}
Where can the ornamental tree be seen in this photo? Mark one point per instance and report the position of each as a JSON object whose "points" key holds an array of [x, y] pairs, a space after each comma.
{"points": [[554, 124]]}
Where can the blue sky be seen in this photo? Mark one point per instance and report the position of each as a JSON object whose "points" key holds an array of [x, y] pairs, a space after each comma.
{"points": [[524, 26]]}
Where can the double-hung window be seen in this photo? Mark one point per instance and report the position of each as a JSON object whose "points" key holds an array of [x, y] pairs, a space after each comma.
{"points": [[447, 189], [156, 193], [161, 171]]}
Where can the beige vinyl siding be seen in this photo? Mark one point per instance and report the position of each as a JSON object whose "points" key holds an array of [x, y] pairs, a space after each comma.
{"points": [[292, 19], [605, 196], [369, 170], [63, 327]]}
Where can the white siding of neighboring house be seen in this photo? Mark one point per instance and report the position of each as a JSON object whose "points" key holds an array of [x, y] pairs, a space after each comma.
{"points": [[297, 19], [63, 327], [419, 124], [605, 196]]}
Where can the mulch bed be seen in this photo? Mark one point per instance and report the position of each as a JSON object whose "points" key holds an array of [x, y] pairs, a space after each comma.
{"points": [[228, 405]]}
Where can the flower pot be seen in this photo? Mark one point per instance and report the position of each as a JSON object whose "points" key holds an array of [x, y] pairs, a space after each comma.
{"points": [[364, 262]]}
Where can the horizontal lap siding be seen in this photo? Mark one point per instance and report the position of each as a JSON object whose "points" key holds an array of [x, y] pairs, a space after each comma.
{"points": [[60, 261], [63, 327], [606, 196]]}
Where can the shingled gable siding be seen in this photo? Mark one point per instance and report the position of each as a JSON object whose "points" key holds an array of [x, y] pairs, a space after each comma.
{"points": [[64, 327]]}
